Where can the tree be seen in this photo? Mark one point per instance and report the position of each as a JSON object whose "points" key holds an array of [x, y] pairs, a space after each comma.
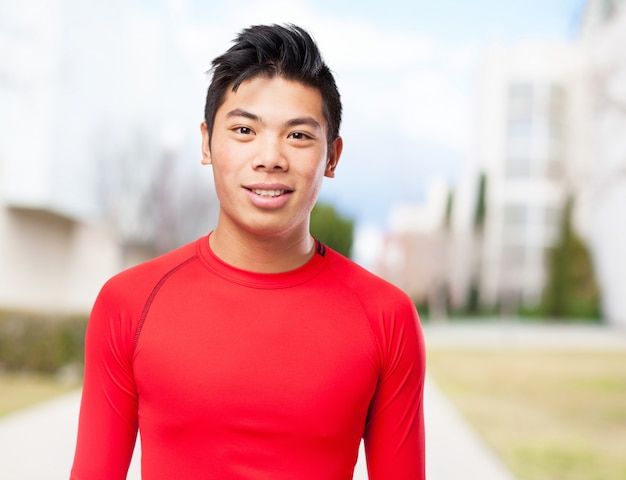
{"points": [[145, 196], [472, 305], [571, 290], [481, 204], [332, 229]]}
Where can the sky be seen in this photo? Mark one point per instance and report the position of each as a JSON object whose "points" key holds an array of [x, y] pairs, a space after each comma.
{"points": [[405, 71]]}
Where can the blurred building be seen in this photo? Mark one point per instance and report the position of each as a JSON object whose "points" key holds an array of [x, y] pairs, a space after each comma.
{"points": [[47, 260], [507, 207], [414, 251], [602, 189], [549, 124], [522, 142], [51, 257], [99, 102]]}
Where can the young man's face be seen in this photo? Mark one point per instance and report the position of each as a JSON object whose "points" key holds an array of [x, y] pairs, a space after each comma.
{"points": [[269, 155]]}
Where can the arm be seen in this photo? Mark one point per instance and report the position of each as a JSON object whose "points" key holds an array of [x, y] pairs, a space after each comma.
{"points": [[394, 434], [108, 415]]}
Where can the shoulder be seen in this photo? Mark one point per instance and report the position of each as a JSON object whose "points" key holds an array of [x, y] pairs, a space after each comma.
{"points": [[391, 314], [374, 290], [136, 283], [387, 308]]}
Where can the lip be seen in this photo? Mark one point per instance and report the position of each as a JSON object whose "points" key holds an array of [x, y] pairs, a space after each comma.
{"points": [[268, 202]]}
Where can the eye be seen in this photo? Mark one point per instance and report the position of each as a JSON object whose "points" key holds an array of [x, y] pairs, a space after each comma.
{"points": [[243, 130], [299, 136]]}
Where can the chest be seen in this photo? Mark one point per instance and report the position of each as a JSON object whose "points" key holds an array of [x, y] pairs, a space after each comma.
{"points": [[257, 362]]}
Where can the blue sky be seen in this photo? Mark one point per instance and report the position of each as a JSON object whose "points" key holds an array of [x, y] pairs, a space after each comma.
{"points": [[472, 21], [447, 19]]}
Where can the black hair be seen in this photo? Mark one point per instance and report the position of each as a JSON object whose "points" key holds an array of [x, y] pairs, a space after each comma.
{"points": [[274, 50]]}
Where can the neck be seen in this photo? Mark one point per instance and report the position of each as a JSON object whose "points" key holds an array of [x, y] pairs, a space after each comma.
{"points": [[262, 254]]}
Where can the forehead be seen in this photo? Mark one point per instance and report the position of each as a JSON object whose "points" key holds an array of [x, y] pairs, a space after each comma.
{"points": [[275, 97]]}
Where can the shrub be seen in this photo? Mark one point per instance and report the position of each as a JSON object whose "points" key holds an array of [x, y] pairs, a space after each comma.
{"points": [[40, 342]]}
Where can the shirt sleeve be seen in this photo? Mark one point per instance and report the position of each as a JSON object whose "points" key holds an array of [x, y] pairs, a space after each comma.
{"points": [[107, 427], [394, 433]]}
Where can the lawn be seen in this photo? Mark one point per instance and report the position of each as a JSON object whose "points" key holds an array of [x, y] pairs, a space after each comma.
{"points": [[549, 415], [21, 390]]}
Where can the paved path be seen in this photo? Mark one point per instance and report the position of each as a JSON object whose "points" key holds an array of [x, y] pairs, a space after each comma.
{"points": [[515, 334], [38, 443]]}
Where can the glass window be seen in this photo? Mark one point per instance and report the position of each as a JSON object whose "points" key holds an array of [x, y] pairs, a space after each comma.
{"points": [[520, 101], [516, 214], [517, 166], [519, 129]]}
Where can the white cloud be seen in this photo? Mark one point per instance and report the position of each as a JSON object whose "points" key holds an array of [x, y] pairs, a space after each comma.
{"points": [[395, 78], [352, 44], [435, 109]]}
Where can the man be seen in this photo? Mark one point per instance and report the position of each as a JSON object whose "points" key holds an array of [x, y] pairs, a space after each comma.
{"points": [[256, 352]]}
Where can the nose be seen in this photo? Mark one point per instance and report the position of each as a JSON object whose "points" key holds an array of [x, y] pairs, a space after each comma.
{"points": [[270, 156]]}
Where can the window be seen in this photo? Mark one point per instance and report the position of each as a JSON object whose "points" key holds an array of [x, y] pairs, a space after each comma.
{"points": [[516, 214], [517, 166], [519, 129], [520, 101]]}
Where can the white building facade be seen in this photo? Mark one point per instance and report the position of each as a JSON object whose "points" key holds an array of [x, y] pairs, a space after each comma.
{"points": [[521, 145], [550, 123], [602, 216]]}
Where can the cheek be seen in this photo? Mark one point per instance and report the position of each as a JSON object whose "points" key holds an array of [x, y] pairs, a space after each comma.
{"points": [[224, 160], [314, 178], [312, 167], [223, 177]]}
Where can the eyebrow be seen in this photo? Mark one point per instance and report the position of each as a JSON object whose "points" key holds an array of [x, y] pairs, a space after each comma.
{"points": [[294, 122], [310, 121], [238, 112]]}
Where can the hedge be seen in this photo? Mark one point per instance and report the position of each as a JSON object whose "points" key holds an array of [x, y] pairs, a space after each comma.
{"points": [[40, 342]]}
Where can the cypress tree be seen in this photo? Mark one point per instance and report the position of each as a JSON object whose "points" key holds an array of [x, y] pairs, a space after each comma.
{"points": [[571, 290]]}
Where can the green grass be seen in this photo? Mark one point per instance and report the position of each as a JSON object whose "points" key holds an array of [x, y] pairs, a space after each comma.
{"points": [[549, 415], [22, 390]]}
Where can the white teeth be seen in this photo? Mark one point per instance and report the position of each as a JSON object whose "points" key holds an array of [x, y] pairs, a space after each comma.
{"points": [[269, 193]]}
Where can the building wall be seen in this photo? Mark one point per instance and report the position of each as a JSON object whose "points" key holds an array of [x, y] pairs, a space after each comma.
{"points": [[55, 57], [95, 256], [51, 263], [521, 144], [73, 98], [574, 144], [34, 258], [414, 256], [603, 191]]}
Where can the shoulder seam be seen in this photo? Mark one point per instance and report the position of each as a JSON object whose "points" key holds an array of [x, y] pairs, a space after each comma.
{"points": [[153, 294]]}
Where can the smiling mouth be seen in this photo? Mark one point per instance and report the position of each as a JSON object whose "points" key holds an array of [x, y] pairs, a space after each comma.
{"points": [[269, 193]]}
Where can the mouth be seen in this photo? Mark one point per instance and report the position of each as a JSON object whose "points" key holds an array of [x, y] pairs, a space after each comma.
{"points": [[268, 193]]}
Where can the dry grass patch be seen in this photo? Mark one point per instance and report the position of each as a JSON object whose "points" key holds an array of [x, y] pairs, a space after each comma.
{"points": [[21, 390], [550, 415]]}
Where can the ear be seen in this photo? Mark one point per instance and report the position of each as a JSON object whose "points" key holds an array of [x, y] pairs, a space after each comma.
{"points": [[206, 151], [333, 157]]}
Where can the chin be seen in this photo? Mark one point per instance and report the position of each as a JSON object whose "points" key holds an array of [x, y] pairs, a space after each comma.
{"points": [[274, 230]]}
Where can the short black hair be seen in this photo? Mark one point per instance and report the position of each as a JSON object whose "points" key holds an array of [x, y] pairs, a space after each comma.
{"points": [[274, 50]]}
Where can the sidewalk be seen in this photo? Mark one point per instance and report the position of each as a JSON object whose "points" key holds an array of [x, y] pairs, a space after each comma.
{"points": [[511, 333]]}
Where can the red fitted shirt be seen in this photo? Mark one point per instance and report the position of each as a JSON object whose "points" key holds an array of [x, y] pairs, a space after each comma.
{"points": [[230, 374]]}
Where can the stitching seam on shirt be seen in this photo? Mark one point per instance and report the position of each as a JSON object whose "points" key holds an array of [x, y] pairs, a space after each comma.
{"points": [[153, 294]]}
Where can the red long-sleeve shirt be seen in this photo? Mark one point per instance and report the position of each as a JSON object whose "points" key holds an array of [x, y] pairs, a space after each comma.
{"points": [[230, 374]]}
